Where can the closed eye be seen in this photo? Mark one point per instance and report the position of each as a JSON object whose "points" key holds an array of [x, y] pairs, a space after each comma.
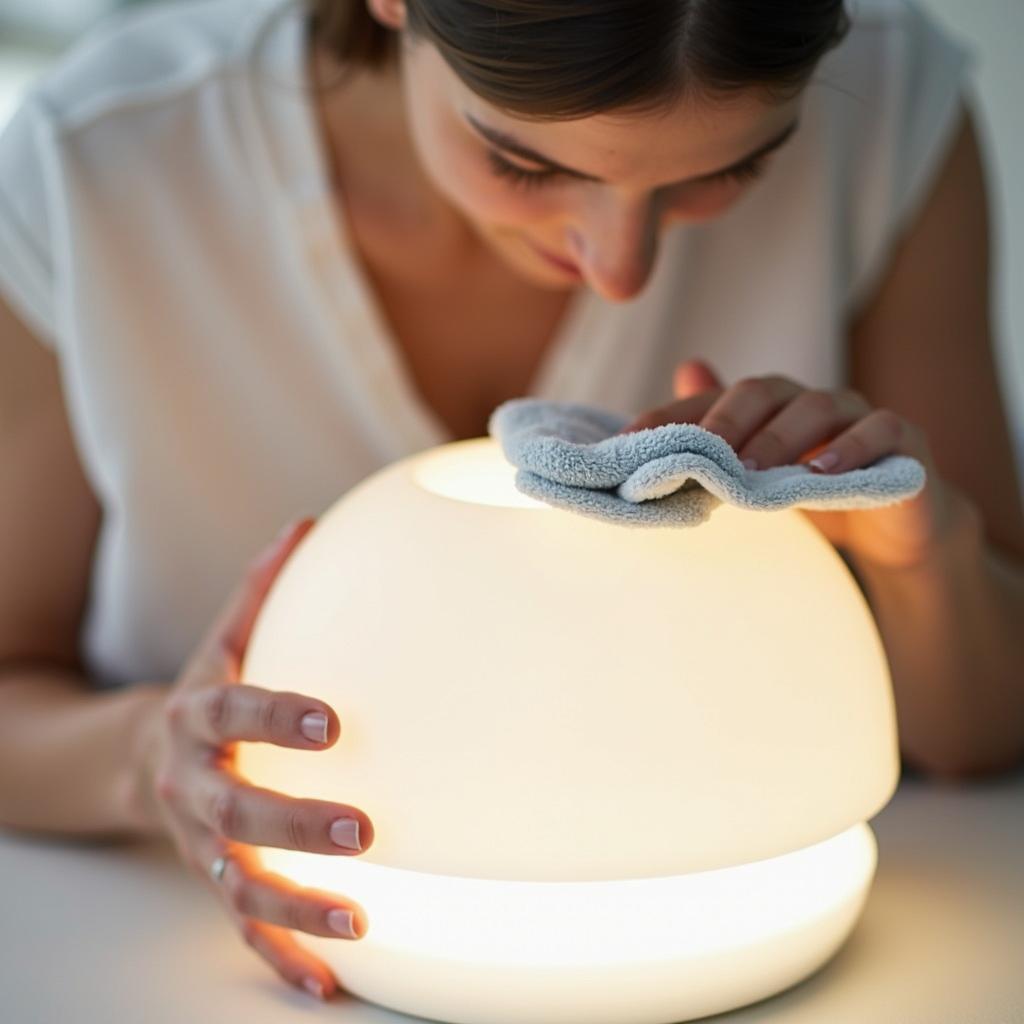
{"points": [[522, 178], [744, 172], [517, 175]]}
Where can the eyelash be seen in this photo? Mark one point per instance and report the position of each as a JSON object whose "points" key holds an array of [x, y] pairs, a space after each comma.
{"points": [[531, 179]]}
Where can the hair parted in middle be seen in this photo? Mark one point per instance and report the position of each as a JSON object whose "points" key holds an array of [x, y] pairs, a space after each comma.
{"points": [[564, 59]]}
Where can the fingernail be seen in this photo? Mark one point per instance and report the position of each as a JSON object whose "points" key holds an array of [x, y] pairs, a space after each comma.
{"points": [[750, 463], [345, 832], [313, 987], [314, 726], [824, 462], [342, 921]]}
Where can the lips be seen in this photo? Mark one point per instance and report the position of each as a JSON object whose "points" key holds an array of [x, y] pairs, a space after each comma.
{"points": [[557, 261]]}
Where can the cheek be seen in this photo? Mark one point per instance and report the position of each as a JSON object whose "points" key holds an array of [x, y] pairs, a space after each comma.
{"points": [[473, 187]]}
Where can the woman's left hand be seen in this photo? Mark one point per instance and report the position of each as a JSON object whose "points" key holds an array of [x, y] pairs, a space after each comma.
{"points": [[774, 421]]}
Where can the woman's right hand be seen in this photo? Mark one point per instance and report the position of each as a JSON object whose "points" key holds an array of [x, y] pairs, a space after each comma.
{"points": [[188, 781]]}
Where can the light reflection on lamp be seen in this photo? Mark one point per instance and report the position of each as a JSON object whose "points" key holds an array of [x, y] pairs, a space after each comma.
{"points": [[616, 775]]}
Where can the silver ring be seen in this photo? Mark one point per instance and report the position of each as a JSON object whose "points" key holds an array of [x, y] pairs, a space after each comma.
{"points": [[218, 867]]}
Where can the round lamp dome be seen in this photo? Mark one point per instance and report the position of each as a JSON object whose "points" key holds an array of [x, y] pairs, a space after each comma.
{"points": [[617, 775]]}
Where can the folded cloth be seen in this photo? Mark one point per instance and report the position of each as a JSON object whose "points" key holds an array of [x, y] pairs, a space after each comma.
{"points": [[671, 475]]}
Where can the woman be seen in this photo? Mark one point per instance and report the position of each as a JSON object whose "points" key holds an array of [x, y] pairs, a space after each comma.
{"points": [[228, 298]]}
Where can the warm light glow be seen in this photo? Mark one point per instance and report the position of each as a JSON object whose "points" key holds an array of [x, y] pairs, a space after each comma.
{"points": [[465, 471], [595, 923], [616, 775], [666, 949]]}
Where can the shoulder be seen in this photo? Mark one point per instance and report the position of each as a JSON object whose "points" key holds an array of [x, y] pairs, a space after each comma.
{"points": [[886, 103], [896, 71], [895, 58], [923, 345], [893, 33], [142, 113], [139, 58]]}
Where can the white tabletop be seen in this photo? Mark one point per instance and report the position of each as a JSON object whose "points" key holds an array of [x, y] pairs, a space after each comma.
{"points": [[124, 933]]}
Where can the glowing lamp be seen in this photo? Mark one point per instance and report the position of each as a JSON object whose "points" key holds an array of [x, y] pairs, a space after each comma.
{"points": [[617, 775]]}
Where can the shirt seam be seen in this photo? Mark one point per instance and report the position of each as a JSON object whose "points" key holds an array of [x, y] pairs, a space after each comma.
{"points": [[221, 66]]}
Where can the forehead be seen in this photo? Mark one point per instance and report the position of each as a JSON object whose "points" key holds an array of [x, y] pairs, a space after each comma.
{"points": [[694, 135]]}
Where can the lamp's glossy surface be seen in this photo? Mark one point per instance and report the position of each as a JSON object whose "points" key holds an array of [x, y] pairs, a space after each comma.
{"points": [[615, 774]]}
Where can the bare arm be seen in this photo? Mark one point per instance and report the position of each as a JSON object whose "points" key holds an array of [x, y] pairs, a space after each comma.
{"points": [[68, 755], [152, 759], [951, 629], [945, 580], [951, 625], [66, 759]]}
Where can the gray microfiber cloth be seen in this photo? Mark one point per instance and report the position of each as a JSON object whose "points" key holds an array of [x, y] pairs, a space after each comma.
{"points": [[671, 475]]}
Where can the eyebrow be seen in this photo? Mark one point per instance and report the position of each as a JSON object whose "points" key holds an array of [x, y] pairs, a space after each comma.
{"points": [[512, 145]]}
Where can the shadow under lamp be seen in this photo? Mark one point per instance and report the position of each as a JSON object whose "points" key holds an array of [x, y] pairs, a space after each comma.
{"points": [[617, 775]]}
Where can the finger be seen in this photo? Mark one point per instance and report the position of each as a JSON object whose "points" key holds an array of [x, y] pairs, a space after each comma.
{"points": [[297, 966], [219, 654], [229, 712], [882, 432], [232, 808], [809, 420], [275, 944], [694, 376], [746, 406], [254, 892], [687, 410]]}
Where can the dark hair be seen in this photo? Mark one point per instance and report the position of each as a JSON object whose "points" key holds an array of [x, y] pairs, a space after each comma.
{"points": [[561, 59]]}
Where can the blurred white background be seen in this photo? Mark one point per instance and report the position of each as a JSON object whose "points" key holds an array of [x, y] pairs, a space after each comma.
{"points": [[32, 33]]}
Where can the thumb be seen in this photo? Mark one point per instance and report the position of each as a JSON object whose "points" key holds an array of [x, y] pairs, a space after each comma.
{"points": [[692, 377], [229, 635]]}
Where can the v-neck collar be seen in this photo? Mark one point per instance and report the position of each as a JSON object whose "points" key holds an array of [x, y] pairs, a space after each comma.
{"points": [[291, 145]]}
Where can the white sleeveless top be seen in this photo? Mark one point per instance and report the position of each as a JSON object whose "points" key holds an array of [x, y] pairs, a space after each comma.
{"points": [[167, 226]]}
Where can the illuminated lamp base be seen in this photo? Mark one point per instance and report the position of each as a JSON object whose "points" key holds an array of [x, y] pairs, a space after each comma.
{"points": [[636, 951]]}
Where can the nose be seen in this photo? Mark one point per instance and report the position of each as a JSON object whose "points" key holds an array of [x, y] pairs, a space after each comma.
{"points": [[615, 243]]}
